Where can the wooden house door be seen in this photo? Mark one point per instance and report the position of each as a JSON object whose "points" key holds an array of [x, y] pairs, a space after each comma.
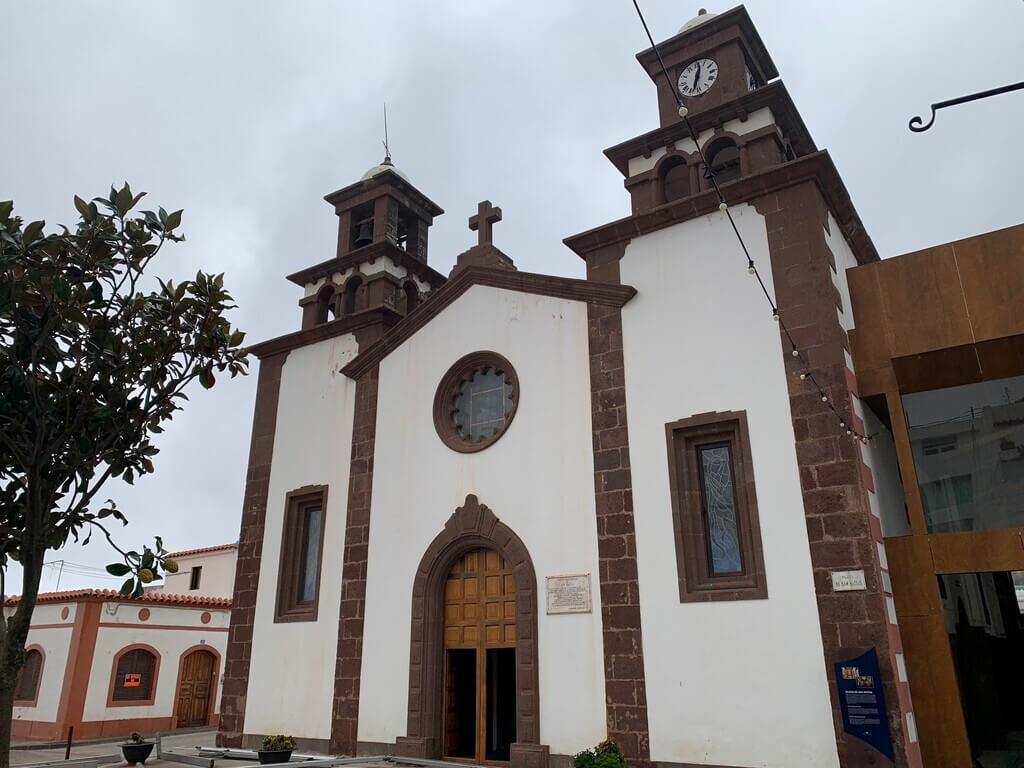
{"points": [[194, 689]]}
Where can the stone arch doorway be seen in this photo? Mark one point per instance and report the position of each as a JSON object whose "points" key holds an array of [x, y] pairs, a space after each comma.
{"points": [[471, 528]]}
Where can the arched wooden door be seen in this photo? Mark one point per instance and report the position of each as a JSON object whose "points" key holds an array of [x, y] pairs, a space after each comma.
{"points": [[195, 689], [479, 707]]}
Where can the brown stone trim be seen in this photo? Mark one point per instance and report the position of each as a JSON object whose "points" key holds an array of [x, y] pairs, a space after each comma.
{"points": [[387, 182], [836, 501], [817, 167], [282, 344], [250, 550], [524, 282], [471, 526], [147, 702], [697, 583], [348, 664], [460, 372], [774, 96], [625, 683], [368, 254], [288, 607]]}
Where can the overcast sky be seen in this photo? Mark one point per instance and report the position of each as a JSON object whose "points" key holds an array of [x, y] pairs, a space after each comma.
{"points": [[246, 113]]}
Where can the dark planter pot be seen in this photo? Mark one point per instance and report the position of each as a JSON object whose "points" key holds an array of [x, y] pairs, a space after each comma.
{"points": [[269, 756], [136, 753]]}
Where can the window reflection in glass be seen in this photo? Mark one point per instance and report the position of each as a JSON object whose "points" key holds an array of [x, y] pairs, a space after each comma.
{"points": [[968, 446]]}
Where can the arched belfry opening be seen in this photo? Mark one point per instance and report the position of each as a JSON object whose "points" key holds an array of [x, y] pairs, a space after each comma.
{"points": [[473, 682], [724, 159], [674, 180], [325, 306], [350, 299]]}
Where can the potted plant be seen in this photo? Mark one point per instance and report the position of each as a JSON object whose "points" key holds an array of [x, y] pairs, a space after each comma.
{"points": [[605, 755], [136, 749], [276, 749]]}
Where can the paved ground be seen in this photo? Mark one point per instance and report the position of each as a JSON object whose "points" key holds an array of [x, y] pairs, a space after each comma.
{"points": [[182, 742]]}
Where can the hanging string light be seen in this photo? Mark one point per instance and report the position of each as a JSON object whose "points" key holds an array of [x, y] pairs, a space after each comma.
{"points": [[806, 374]]}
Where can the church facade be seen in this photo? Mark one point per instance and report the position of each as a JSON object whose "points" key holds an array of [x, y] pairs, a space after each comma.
{"points": [[498, 516]]}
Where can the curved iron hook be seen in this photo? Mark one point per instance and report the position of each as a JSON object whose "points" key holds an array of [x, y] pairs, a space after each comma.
{"points": [[917, 124]]}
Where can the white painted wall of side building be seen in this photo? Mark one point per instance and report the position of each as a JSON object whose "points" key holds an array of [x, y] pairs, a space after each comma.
{"points": [[725, 680], [53, 634], [537, 478], [312, 446], [170, 631], [217, 579]]}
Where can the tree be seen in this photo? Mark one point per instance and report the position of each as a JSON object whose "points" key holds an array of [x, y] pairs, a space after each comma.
{"points": [[91, 366]]}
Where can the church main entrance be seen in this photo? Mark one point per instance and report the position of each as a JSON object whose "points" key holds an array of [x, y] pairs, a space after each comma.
{"points": [[479, 691]]}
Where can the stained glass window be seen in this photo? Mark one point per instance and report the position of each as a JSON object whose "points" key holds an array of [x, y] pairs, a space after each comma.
{"points": [[719, 501], [482, 403]]}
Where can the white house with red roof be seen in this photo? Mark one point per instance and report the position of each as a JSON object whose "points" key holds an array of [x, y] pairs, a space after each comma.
{"points": [[108, 665]]}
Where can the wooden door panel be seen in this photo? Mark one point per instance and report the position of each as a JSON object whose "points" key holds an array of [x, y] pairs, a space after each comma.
{"points": [[194, 689], [480, 613]]}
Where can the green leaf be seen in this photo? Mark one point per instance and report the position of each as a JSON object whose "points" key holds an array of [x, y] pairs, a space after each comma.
{"points": [[33, 231], [62, 289], [207, 379], [118, 569], [123, 199], [6, 206], [173, 220], [129, 584], [83, 208]]}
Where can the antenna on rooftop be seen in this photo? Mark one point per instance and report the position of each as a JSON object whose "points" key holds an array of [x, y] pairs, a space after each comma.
{"points": [[387, 150]]}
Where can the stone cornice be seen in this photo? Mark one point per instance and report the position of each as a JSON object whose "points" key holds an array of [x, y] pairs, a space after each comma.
{"points": [[379, 315], [817, 167], [525, 282], [368, 254], [774, 96]]}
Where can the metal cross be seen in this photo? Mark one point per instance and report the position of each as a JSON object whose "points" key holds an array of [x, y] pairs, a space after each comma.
{"points": [[486, 215]]}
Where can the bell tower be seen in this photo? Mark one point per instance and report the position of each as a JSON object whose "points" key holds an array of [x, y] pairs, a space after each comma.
{"points": [[713, 59], [380, 264]]}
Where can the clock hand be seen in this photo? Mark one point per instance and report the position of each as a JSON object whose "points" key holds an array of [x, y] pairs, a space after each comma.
{"points": [[696, 76]]}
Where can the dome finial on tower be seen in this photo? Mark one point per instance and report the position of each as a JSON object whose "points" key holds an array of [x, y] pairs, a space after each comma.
{"points": [[700, 18]]}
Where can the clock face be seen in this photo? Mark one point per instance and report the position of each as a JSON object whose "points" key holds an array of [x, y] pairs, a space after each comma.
{"points": [[698, 77]]}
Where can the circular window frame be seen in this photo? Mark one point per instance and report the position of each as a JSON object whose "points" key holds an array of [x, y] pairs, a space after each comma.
{"points": [[458, 374]]}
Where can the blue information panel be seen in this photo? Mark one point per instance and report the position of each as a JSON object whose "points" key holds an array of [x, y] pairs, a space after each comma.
{"points": [[862, 701]]}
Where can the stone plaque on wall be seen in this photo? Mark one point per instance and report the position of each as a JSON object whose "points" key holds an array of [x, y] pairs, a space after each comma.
{"points": [[569, 593]]}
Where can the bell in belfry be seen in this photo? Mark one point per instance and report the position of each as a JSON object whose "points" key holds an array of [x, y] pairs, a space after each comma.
{"points": [[364, 236]]}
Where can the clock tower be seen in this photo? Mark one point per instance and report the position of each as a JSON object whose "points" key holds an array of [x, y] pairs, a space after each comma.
{"points": [[698, 343], [713, 59]]}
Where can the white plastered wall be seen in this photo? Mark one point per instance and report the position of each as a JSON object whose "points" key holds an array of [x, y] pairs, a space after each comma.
{"points": [[217, 579], [537, 478], [53, 634], [728, 683], [171, 631], [312, 446]]}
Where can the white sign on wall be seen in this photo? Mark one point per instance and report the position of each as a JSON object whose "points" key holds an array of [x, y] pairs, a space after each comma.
{"points": [[569, 593], [848, 581]]}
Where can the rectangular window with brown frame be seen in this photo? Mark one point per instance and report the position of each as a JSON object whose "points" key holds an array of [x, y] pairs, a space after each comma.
{"points": [[302, 542], [714, 509], [195, 576]]}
